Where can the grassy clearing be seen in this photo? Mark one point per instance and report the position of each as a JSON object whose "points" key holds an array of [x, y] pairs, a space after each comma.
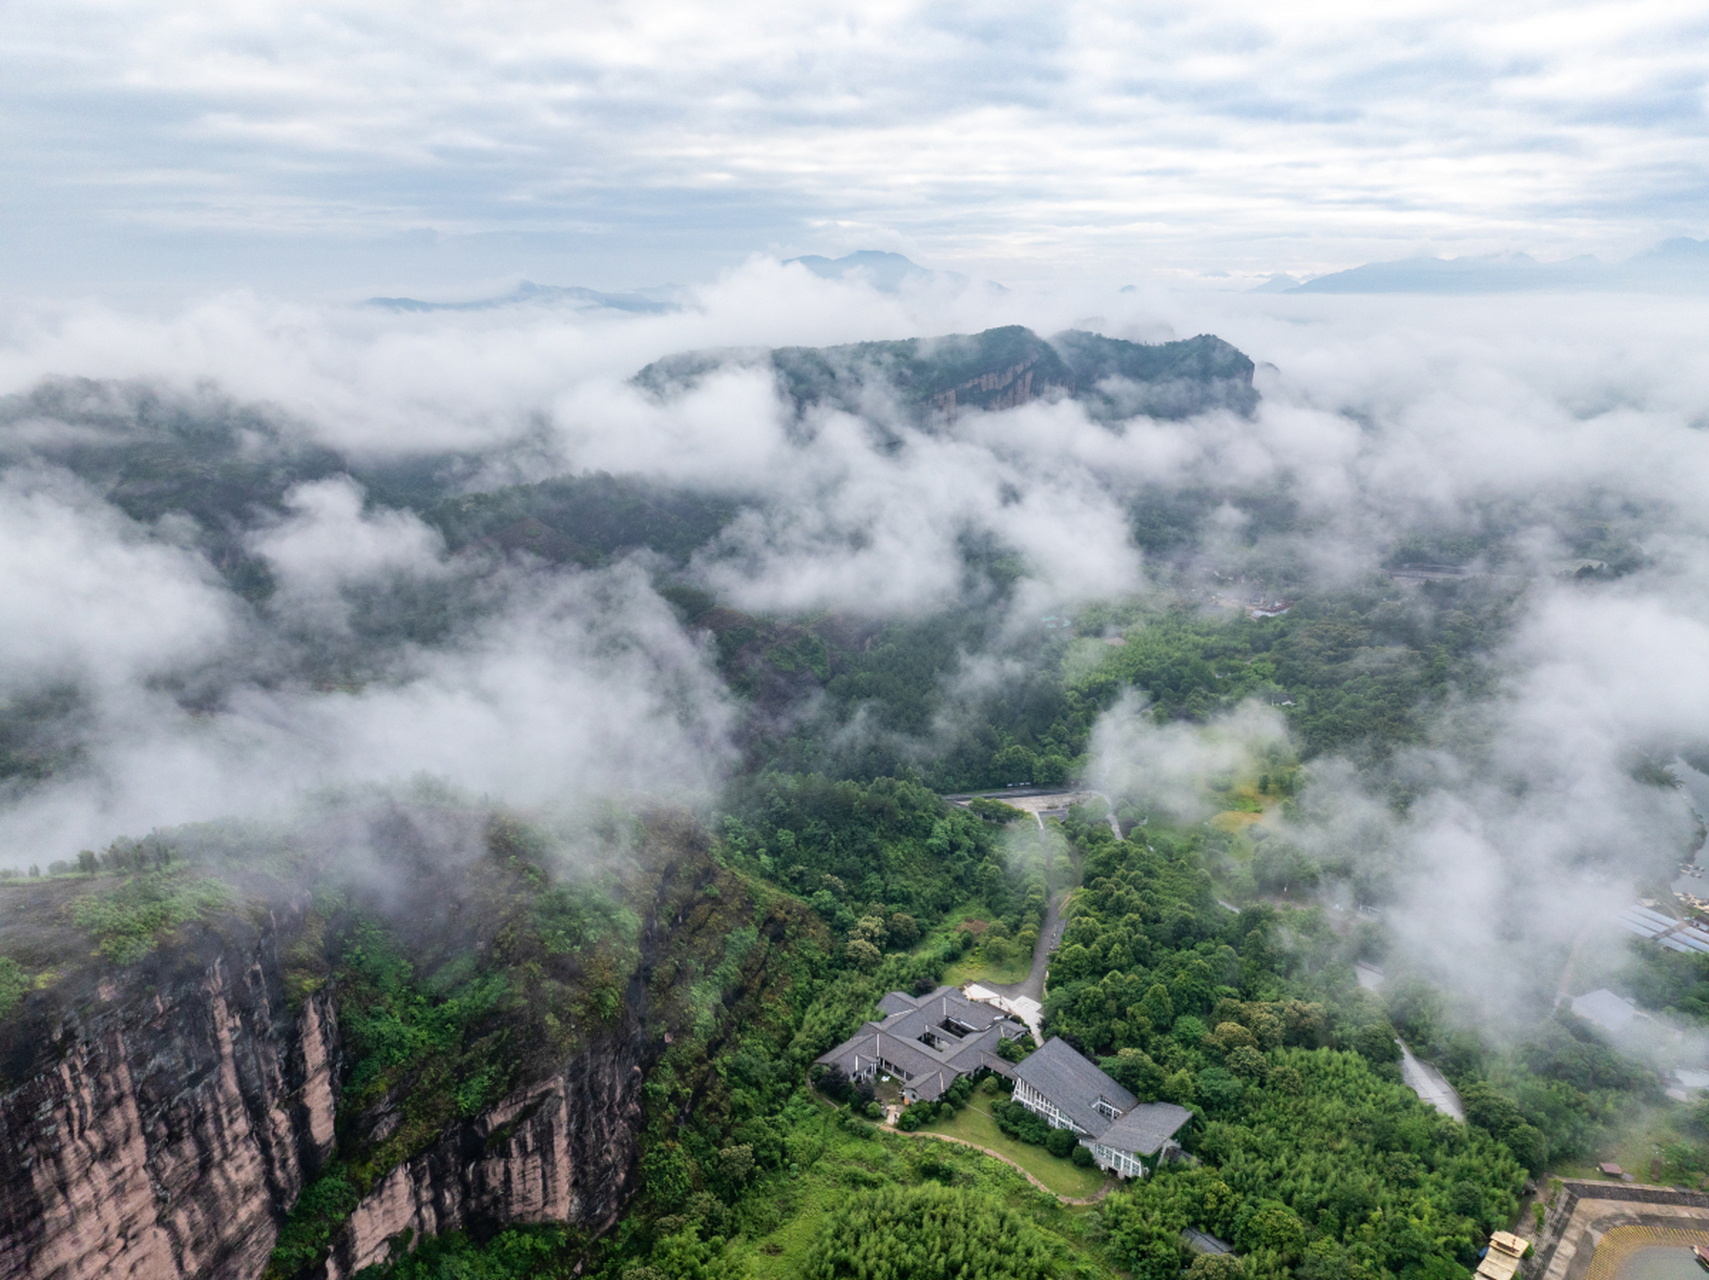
{"points": [[1234, 822], [974, 1125], [975, 969], [783, 1221], [1642, 1147]]}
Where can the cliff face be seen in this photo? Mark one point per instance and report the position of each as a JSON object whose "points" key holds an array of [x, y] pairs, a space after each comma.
{"points": [[159, 1127], [561, 1151], [162, 1127]]}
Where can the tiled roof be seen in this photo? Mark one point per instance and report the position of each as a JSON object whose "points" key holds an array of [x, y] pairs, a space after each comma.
{"points": [[932, 1067], [1146, 1127], [1057, 1071]]}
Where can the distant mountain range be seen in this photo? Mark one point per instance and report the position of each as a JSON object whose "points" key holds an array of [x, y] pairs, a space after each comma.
{"points": [[886, 272], [1674, 266], [573, 297]]}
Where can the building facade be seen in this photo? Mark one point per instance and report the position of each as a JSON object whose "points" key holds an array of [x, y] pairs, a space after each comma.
{"points": [[1062, 1087]]}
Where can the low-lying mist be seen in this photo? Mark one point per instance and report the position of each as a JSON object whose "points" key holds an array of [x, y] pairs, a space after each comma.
{"points": [[313, 618]]}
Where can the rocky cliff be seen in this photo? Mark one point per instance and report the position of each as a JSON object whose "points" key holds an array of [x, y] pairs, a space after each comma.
{"points": [[155, 1127], [160, 1120], [560, 1151]]}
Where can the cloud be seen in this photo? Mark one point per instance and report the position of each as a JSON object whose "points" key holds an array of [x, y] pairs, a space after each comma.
{"points": [[295, 147], [1168, 768], [1524, 421], [574, 687], [88, 596], [328, 542]]}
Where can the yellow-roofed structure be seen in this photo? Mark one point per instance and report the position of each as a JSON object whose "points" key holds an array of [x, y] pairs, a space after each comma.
{"points": [[1502, 1260]]}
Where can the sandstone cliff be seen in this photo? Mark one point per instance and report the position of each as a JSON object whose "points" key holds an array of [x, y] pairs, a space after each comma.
{"points": [[560, 1151], [155, 1128], [161, 1123]]}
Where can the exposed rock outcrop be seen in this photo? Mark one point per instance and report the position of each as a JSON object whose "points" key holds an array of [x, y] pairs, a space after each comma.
{"points": [[157, 1129], [161, 1125], [562, 1150]]}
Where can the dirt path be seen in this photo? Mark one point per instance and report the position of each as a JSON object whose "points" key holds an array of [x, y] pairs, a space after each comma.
{"points": [[1109, 1183]]}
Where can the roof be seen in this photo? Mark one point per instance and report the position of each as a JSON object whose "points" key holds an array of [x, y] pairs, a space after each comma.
{"points": [[1146, 1127], [896, 1002], [1057, 1071], [933, 1038], [1605, 1009], [1502, 1258]]}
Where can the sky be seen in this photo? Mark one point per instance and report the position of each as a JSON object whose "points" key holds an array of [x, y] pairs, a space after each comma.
{"points": [[326, 151]]}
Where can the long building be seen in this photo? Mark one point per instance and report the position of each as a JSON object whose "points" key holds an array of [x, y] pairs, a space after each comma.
{"points": [[1065, 1089]]}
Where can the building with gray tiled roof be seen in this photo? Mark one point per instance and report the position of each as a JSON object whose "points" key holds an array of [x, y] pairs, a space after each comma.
{"points": [[1059, 1085], [927, 1042]]}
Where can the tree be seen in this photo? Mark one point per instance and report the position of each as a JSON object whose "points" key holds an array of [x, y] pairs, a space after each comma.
{"points": [[1376, 1041], [863, 955], [904, 929], [1247, 1063], [1179, 1088], [1216, 1266], [735, 1167], [1157, 1006]]}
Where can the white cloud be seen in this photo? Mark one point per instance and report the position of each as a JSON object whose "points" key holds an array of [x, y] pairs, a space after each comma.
{"points": [[1079, 140], [328, 542], [87, 596]]}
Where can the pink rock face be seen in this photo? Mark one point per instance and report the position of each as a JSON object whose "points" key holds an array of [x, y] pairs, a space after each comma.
{"points": [[559, 1151], [163, 1131]]}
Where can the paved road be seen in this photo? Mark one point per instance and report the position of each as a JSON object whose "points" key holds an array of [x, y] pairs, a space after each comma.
{"points": [[1032, 987], [1429, 1083]]}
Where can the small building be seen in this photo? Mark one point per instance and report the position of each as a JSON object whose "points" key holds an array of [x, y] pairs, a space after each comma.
{"points": [[927, 1042], [1069, 1092], [1502, 1257]]}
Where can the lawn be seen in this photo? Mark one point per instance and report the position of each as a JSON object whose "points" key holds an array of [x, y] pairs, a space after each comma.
{"points": [[975, 969], [1061, 1176]]}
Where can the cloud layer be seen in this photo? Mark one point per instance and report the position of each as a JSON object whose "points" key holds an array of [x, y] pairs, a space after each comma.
{"points": [[383, 146]]}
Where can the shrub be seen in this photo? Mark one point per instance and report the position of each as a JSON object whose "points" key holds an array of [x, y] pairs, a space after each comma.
{"points": [[14, 982], [127, 920], [898, 1233], [1081, 1156], [1059, 1142]]}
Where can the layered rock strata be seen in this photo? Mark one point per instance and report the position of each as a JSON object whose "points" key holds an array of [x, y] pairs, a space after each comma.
{"points": [[154, 1130], [559, 1151]]}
